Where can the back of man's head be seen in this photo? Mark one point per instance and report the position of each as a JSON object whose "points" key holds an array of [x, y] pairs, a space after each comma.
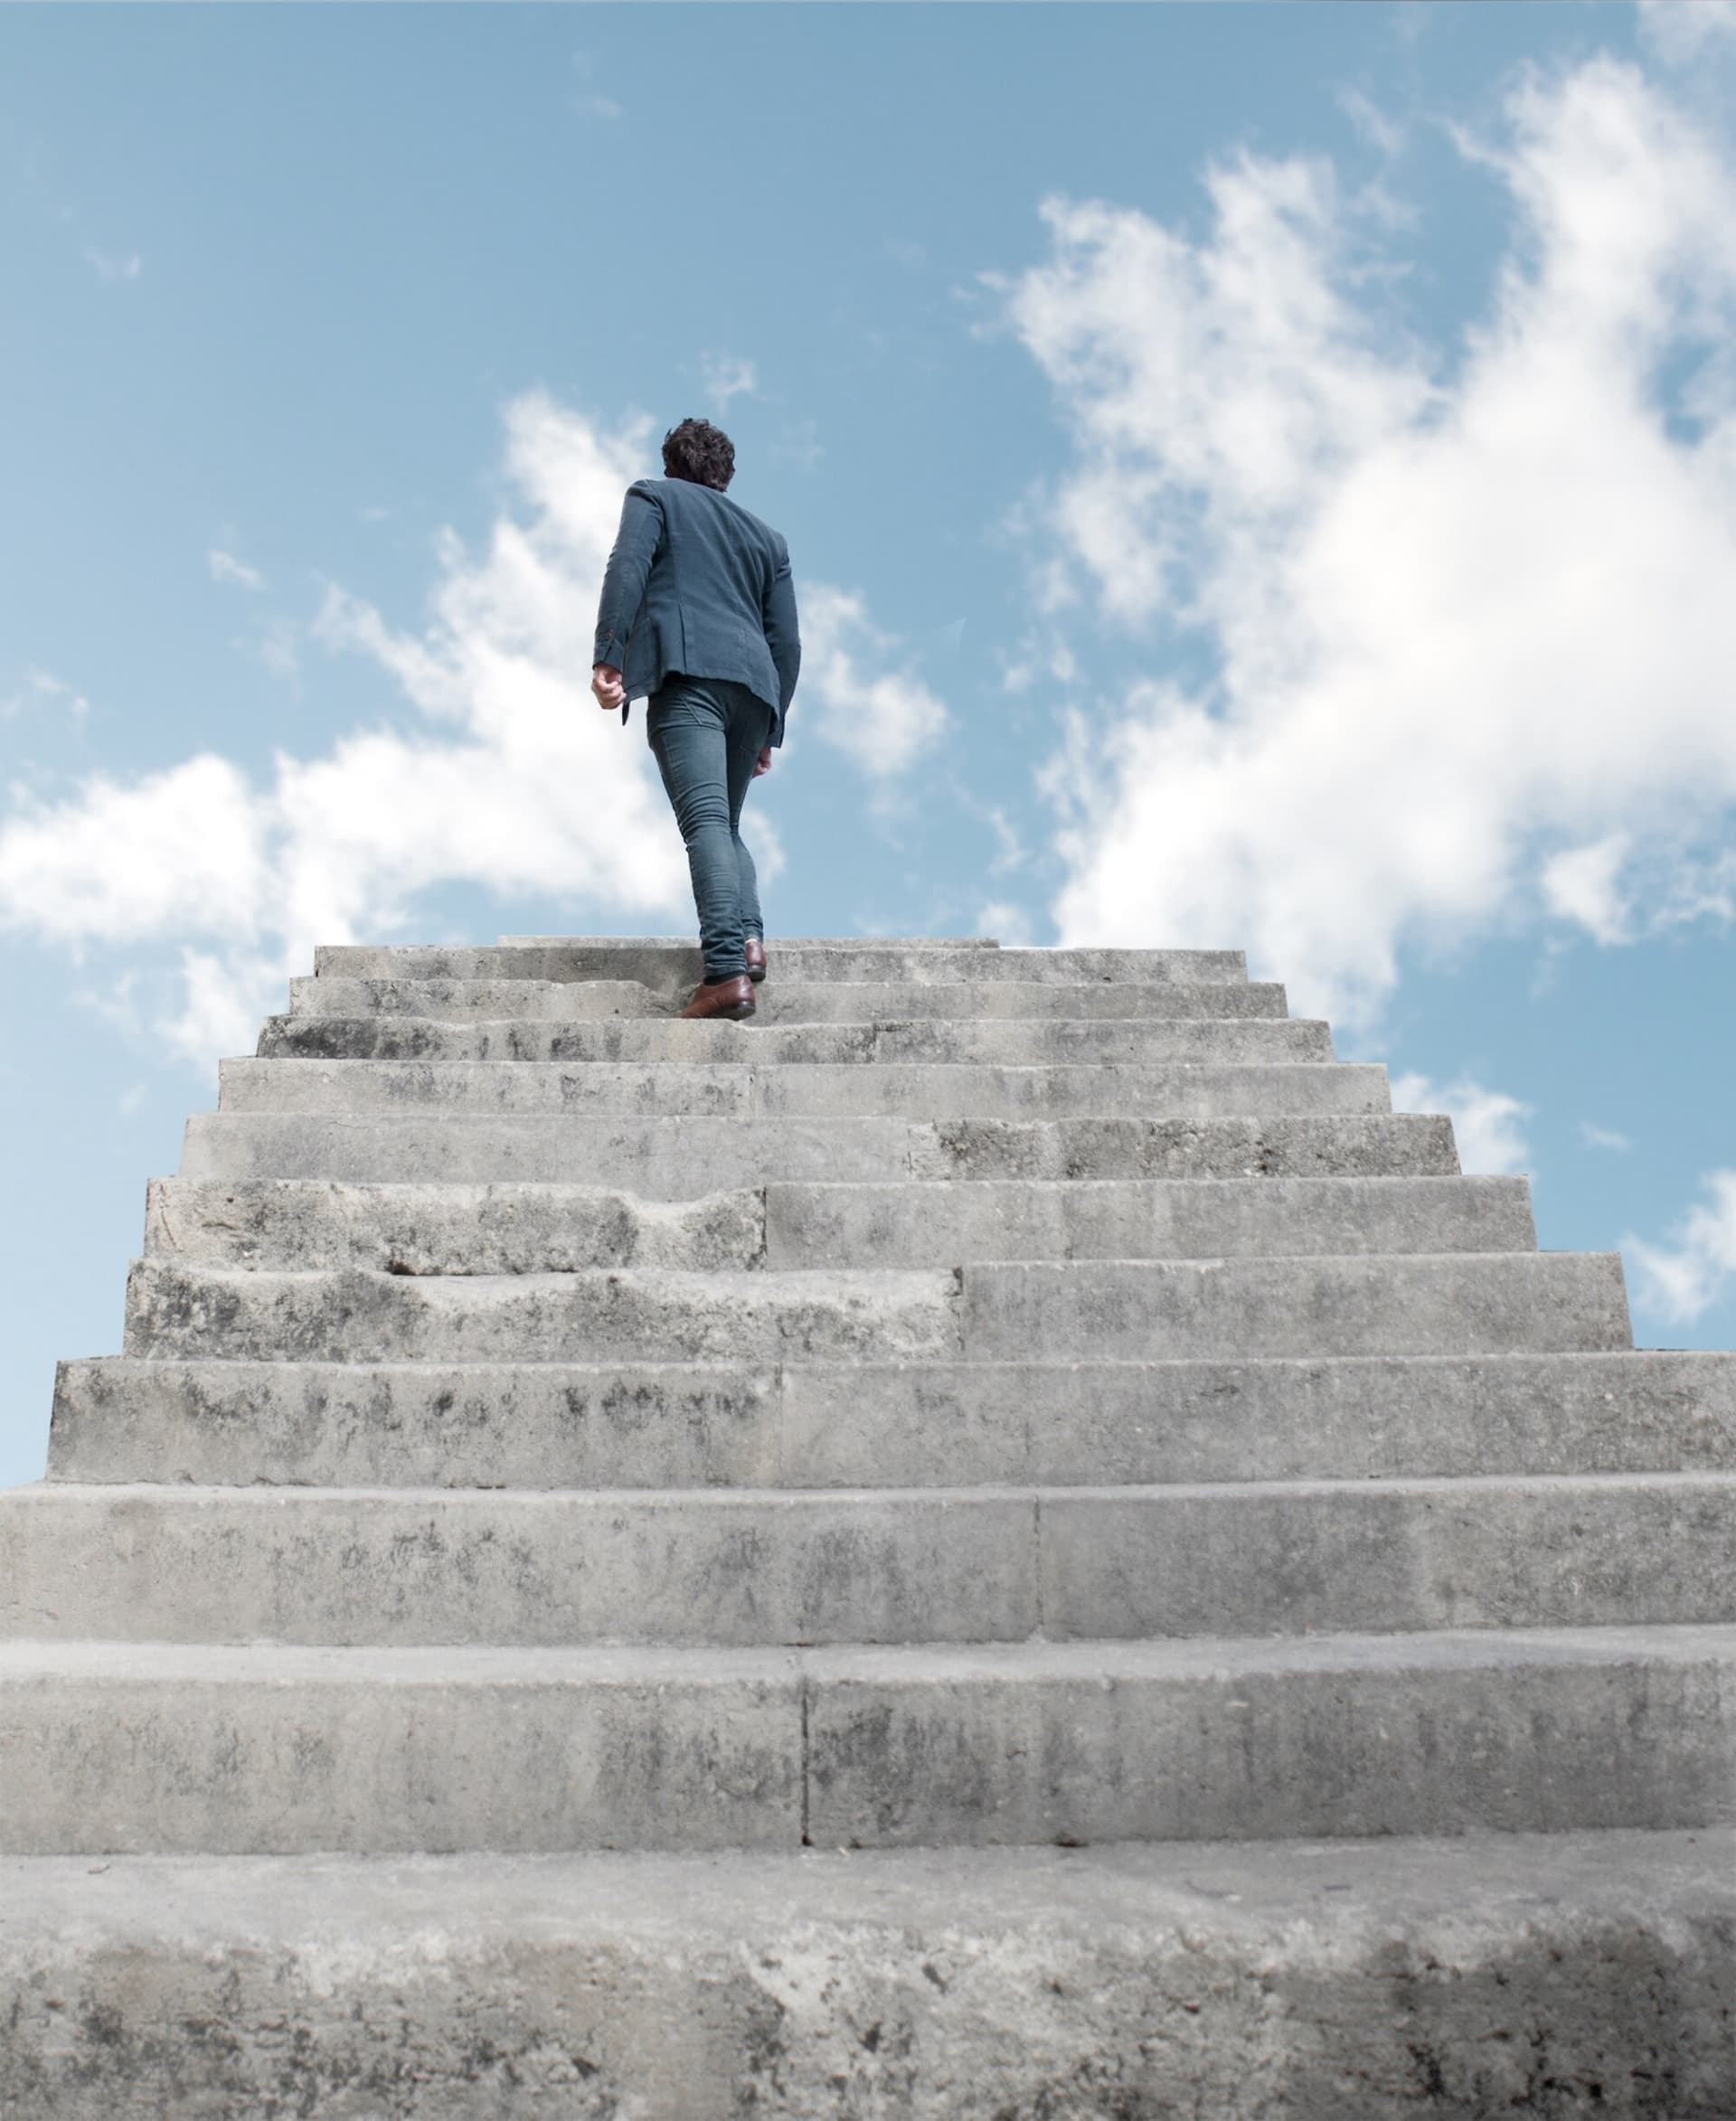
{"points": [[699, 452]]}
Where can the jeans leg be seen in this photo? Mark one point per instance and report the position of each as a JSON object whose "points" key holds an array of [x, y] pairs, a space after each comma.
{"points": [[688, 729], [749, 727]]}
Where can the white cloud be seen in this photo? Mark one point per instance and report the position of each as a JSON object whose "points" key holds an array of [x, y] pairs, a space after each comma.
{"points": [[1695, 1267], [226, 567], [1488, 1126], [508, 779], [1007, 923], [1476, 636], [1681, 29], [726, 377], [881, 718], [1603, 1137]]}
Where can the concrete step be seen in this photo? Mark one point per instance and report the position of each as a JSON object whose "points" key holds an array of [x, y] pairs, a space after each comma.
{"points": [[922, 1223], [135, 1747], [902, 1425], [787, 1567], [993, 1042], [775, 1092], [1319, 1981], [810, 1002], [311, 1224], [1393, 1304], [783, 943], [681, 1158], [1389, 1305], [672, 968], [664, 1315]]}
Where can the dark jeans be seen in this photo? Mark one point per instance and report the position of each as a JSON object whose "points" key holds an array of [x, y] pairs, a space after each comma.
{"points": [[706, 735]]}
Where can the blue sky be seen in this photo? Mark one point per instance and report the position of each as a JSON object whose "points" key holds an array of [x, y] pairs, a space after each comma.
{"points": [[1256, 475]]}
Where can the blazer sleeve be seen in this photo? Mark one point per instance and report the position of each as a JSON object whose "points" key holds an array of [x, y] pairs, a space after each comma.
{"points": [[783, 635], [629, 561]]}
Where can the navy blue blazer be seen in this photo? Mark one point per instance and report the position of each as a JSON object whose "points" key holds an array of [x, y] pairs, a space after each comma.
{"points": [[697, 583]]}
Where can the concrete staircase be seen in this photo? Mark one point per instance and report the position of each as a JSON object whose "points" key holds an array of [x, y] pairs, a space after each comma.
{"points": [[914, 1556]]}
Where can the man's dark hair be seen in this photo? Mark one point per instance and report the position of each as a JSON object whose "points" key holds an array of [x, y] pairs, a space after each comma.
{"points": [[698, 451]]}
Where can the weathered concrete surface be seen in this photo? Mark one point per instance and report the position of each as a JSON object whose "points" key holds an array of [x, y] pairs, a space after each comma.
{"points": [[1511, 1730], [848, 1002], [982, 1041], [1394, 1536], [158, 1748], [667, 966], [1375, 1146], [343, 1566], [789, 1089], [902, 1424], [1559, 1975], [1390, 1304], [789, 1567], [457, 1229], [675, 1158], [167, 1748], [926, 1224], [527, 1229], [593, 1316]]}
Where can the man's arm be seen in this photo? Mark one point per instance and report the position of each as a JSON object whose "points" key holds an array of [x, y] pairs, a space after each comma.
{"points": [[629, 561], [783, 635]]}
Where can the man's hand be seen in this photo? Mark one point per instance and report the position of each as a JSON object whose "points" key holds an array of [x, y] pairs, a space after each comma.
{"points": [[762, 764], [606, 682]]}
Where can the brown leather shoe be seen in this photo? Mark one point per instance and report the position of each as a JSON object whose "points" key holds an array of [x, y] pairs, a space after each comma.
{"points": [[755, 954], [722, 997]]}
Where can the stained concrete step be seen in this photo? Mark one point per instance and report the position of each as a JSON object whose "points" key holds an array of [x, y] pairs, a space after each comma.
{"points": [[1315, 1981], [905, 1424], [758, 1567], [172, 1309], [774, 1092], [672, 968], [1395, 1304], [810, 1002], [993, 1042], [1387, 1304], [922, 1225], [135, 1747], [464, 1229], [679, 1158]]}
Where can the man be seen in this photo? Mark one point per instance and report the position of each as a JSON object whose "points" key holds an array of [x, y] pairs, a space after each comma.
{"points": [[698, 614]]}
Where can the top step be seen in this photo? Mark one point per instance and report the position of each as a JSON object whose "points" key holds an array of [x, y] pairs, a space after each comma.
{"points": [[782, 942], [672, 965]]}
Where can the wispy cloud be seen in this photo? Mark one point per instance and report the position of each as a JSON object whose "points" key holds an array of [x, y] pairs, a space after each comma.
{"points": [[799, 444], [1695, 1266], [1472, 637], [591, 102], [226, 567], [38, 689], [1603, 1137], [1488, 1126], [107, 266], [866, 701], [727, 376], [1006, 923]]}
